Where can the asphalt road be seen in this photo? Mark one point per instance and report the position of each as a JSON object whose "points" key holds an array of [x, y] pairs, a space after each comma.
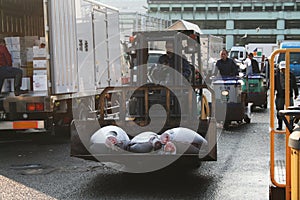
{"points": [[44, 170]]}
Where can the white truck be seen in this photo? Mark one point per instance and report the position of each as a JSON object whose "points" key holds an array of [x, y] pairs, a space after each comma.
{"points": [[81, 58], [260, 49]]}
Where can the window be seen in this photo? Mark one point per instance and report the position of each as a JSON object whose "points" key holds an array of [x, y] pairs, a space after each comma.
{"points": [[294, 58]]}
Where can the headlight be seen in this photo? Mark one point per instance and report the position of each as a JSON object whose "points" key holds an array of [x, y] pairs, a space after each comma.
{"points": [[225, 93]]}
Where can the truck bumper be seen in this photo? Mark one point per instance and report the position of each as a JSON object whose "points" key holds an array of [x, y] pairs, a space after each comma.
{"points": [[21, 125]]}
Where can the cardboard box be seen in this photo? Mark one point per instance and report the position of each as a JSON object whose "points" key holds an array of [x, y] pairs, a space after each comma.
{"points": [[17, 41], [18, 55], [26, 83], [29, 54], [15, 47], [40, 80], [39, 52], [19, 62], [7, 85], [39, 63], [42, 40], [7, 40]]}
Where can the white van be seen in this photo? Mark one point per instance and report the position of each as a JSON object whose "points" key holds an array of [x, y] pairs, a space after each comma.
{"points": [[238, 52]]}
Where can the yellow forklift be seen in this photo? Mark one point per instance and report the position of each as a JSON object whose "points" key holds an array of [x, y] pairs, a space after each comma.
{"points": [[284, 172]]}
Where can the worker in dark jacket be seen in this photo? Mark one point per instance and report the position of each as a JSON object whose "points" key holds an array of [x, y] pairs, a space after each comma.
{"points": [[280, 90], [170, 57], [226, 66], [7, 71]]}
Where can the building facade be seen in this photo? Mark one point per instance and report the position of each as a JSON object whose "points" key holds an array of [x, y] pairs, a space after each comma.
{"points": [[239, 22]]}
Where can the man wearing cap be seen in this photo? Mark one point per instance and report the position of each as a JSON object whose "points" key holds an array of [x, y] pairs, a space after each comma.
{"points": [[280, 90]]}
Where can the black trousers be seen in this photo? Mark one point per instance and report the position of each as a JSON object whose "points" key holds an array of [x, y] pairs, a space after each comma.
{"points": [[11, 72], [280, 102]]}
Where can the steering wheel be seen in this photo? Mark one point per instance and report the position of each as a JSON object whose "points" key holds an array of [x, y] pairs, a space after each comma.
{"points": [[159, 73]]}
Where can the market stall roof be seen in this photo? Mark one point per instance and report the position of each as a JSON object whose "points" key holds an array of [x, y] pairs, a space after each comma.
{"points": [[185, 25]]}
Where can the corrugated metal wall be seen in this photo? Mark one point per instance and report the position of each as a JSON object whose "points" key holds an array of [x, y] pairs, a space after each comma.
{"points": [[21, 17]]}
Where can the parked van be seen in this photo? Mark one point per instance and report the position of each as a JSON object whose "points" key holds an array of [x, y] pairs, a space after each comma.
{"points": [[238, 52]]}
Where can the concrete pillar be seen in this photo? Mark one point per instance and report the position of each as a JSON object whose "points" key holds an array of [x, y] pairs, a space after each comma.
{"points": [[279, 38], [280, 26], [229, 41], [229, 24], [229, 37]]}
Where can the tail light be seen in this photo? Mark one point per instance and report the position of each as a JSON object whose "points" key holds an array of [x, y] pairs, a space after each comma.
{"points": [[30, 107], [35, 107]]}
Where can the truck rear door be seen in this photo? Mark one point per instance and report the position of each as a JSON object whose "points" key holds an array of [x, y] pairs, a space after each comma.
{"points": [[63, 60], [107, 51]]}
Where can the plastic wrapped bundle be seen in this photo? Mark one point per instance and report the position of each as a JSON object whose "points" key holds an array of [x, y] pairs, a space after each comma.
{"points": [[145, 142], [185, 140], [109, 139]]}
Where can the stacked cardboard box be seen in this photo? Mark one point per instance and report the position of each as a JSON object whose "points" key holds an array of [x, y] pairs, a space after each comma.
{"points": [[16, 47], [27, 56], [40, 68], [21, 49], [39, 80]]}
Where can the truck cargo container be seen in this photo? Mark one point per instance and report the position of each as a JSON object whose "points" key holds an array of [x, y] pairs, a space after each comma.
{"points": [[81, 57]]}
